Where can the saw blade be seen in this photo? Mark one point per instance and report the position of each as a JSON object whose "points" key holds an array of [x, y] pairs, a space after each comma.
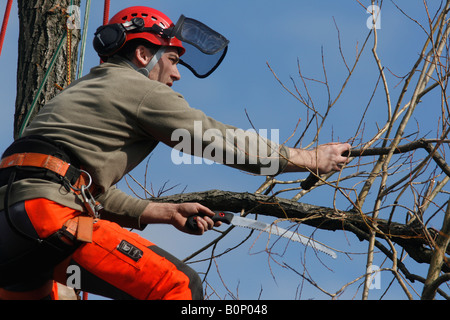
{"points": [[275, 230]]}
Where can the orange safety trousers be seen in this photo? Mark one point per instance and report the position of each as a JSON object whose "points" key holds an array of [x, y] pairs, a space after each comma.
{"points": [[118, 263]]}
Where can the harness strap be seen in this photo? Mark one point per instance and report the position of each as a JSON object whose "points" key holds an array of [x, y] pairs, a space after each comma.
{"points": [[79, 228], [38, 160], [64, 169]]}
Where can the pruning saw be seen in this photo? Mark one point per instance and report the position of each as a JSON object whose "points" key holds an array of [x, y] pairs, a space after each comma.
{"points": [[231, 218]]}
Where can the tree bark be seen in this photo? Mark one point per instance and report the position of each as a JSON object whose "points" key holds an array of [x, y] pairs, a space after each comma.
{"points": [[434, 280], [42, 25]]}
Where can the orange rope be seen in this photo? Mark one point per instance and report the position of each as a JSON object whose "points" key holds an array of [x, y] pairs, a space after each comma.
{"points": [[69, 55]]}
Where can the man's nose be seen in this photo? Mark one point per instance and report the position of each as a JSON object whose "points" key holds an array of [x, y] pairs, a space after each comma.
{"points": [[176, 74]]}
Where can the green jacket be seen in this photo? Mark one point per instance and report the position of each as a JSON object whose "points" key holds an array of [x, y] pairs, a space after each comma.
{"points": [[111, 119]]}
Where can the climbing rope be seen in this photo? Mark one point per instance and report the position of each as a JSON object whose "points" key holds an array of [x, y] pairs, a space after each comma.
{"points": [[5, 23], [105, 16], [69, 54], [68, 49], [83, 39], [106, 12], [41, 87]]}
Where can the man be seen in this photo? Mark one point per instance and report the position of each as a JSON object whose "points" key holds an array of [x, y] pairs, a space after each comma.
{"points": [[60, 206]]}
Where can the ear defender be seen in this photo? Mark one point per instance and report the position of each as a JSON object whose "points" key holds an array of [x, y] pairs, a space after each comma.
{"points": [[108, 39]]}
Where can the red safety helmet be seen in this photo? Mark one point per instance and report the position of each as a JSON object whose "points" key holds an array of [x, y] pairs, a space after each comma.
{"points": [[151, 17]]}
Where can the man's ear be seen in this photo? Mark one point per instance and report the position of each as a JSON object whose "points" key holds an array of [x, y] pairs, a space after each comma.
{"points": [[142, 56]]}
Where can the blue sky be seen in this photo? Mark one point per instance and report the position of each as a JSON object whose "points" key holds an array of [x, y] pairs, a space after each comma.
{"points": [[279, 33]]}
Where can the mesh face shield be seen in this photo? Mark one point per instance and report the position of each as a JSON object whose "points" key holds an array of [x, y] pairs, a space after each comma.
{"points": [[205, 48]]}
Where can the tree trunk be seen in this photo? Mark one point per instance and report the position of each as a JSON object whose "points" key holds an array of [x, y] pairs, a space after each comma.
{"points": [[42, 68], [43, 26]]}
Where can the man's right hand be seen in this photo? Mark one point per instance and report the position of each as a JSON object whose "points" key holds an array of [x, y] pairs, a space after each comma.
{"points": [[177, 215]]}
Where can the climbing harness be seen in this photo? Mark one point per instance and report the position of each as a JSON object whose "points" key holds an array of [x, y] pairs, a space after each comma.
{"points": [[40, 157]]}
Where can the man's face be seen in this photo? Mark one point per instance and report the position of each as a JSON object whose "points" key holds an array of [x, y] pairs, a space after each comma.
{"points": [[166, 70]]}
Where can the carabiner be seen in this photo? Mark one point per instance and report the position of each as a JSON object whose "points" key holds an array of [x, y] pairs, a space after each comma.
{"points": [[92, 206]]}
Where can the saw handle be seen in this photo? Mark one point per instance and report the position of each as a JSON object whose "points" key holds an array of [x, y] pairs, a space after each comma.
{"points": [[309, 182], [224, 217]]}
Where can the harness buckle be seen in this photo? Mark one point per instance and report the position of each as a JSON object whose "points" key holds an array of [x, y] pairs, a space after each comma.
{"points": [[92, 206]]}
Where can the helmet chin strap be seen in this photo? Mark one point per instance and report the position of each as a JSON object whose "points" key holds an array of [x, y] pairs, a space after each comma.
{"points": [[149, 67]]}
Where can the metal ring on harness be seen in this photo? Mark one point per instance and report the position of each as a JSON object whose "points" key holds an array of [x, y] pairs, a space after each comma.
{"points": [[86, 186]]}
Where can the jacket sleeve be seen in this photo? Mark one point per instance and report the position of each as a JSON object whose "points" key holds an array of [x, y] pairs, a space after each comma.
{"points": [[122, 208], [166, 116]]}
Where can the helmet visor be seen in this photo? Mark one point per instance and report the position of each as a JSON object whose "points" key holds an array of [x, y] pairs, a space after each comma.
{"points": [[205, 48]]}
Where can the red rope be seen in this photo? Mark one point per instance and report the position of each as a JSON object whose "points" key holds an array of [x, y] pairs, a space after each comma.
{"points": [[106, 15], [5, 23], [106, 12]]}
